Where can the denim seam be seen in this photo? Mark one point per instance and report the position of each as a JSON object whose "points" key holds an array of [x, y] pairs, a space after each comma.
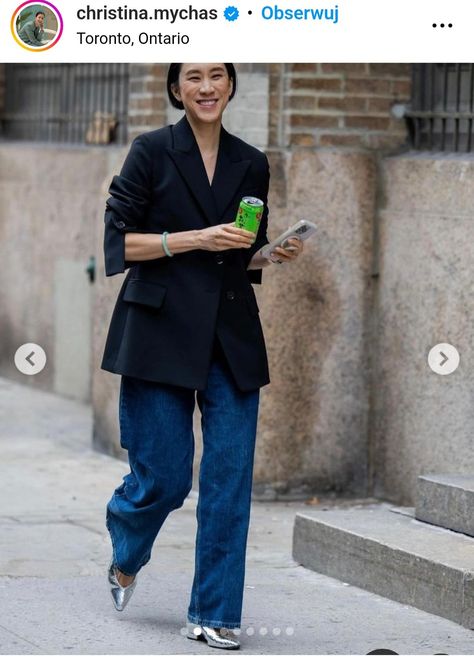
{"points": [[198, 535], [123, 411], [227, 555], [114, 553], [198, 578], [227, 520], [212, 623]]}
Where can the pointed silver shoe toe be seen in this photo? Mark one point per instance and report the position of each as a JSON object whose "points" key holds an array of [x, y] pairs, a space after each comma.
{"points": [[120, 595], [221, 638]]}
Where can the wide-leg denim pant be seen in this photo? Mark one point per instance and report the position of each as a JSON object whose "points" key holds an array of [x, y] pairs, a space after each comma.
{"points": [[156, 425]]}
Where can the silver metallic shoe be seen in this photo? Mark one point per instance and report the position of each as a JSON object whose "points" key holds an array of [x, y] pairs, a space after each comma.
{"points": [[221, 638], [120, 595]]}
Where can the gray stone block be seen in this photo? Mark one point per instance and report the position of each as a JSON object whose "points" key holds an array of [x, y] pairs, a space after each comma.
{"points": [[392, 555], [426, 202], [446, 500]]}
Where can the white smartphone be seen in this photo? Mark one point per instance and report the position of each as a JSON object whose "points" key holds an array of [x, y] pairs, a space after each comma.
{"points": [[300, 230]]}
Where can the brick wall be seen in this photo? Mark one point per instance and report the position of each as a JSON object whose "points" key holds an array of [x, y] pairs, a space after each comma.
{"points": [[276, 117], [348, 105], [147, 98], [284, 105]]}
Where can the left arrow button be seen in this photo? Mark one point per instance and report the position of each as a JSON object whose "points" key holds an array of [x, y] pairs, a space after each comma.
{"points": [[24, 359]]}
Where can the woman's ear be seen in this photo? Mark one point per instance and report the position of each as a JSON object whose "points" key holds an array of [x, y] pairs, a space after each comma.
{"points": [[176, 93], [231, 87]]}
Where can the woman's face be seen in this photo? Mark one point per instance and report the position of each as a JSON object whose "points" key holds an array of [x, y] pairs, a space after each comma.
{"points": [[204, 90]]}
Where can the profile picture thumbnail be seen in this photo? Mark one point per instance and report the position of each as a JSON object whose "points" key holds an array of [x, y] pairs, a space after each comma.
{"points": [[37, 25]]}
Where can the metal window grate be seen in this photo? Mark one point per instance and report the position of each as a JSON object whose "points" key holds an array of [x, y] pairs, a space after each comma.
{"points": [[66, 103], [442, 110]]}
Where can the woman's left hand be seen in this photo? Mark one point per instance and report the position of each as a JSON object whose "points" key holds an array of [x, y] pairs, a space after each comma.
{"points": [[284, 255]]}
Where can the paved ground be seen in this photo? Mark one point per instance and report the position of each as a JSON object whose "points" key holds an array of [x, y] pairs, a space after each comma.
{"points": [[54, 549]]}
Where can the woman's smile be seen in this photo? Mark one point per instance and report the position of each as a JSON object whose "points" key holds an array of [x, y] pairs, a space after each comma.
{"points": [[207, 103]]}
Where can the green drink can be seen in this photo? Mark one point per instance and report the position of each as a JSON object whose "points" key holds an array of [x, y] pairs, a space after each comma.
{"points": [[249, 214]]}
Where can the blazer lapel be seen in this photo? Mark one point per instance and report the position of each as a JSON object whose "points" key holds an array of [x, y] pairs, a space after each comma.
{"points": [[187, 157], [229, 174], [230, 171]]}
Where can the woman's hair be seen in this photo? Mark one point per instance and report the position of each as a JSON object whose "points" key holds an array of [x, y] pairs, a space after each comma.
{"points": [[173, 77]]}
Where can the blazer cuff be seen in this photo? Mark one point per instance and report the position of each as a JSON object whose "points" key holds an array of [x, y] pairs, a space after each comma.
{"points": [[114, 244], [255, 275], [128, 200]]}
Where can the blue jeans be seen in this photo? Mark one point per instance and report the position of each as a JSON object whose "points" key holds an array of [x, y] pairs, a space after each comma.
{"points": [[156, 425]]}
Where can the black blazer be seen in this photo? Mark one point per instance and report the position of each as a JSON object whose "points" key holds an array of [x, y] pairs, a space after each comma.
{"points": [[169, 310]]}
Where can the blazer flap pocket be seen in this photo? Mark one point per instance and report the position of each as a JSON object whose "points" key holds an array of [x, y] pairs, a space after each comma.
{"points": [[145, 293]]}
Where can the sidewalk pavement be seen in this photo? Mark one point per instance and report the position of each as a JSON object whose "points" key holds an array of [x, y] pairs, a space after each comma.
{"points": [[54, 551]]}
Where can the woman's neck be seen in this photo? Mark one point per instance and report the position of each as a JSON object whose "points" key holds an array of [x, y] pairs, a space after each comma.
{"points": [[206, 135]]}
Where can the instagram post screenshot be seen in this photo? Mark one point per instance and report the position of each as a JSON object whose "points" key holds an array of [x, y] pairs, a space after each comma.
{"points": [[236, 328]]}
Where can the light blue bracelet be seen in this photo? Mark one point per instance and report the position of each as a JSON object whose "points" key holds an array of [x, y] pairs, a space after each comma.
{"points": [[165, 245]]}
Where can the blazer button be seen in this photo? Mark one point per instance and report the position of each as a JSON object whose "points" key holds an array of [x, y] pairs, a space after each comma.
{"points": [[230, 294], [219, 259], [120, 224]]}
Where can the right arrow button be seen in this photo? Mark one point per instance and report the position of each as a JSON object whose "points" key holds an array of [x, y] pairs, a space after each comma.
{"points": [[443, 359]]}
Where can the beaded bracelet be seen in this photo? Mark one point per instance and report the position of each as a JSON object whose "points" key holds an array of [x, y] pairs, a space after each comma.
{"points": [[165, 245]]}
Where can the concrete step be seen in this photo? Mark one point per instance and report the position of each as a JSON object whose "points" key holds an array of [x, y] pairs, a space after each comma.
{"points": [[446, 500], [393, 555]]}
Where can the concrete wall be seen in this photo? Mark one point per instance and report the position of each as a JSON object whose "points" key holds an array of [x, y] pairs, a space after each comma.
{"points": [[339, 351], [423, 422], [314, 414], [47, 234], [105, 386]]}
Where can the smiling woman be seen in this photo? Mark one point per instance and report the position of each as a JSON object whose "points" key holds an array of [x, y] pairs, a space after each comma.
{"points": [[186, 326], [203, 92]]}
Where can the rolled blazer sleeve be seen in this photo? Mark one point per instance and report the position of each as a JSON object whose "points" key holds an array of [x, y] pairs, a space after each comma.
{"points": [[255, 275], [127, 207]]}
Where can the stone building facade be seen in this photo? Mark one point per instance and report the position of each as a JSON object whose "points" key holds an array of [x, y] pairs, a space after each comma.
{"points": [[352, 406]]}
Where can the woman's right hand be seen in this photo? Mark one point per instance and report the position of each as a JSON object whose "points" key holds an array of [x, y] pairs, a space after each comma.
{"points": [[225, 236]]}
